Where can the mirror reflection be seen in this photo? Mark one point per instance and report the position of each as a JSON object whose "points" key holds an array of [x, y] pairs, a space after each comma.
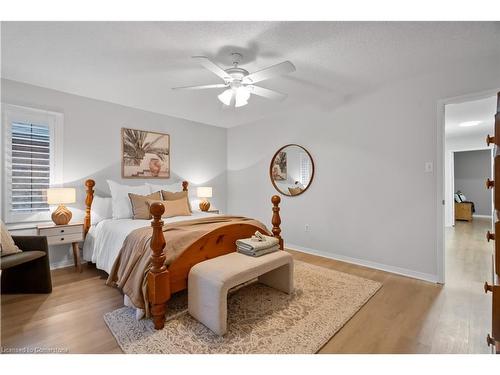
{"points": [[292, 170]]}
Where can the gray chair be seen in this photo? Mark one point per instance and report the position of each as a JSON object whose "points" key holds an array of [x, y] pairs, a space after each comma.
{"points": [[27, 271]]}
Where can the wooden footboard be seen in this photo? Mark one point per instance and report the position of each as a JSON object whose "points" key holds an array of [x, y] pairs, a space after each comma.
{"points": [[158, 275], [216, 243], [162, 282]]}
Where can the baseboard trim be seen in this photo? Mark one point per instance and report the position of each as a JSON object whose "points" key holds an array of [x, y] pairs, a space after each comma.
{"points": [[63, 264], [482, 216], [366, 263]]}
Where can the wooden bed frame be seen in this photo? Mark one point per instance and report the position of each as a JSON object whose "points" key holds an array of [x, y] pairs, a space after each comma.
{"points": [[163, 281]]}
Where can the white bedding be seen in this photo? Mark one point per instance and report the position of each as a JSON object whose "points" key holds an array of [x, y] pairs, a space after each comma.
{"points": [[104, 240]]}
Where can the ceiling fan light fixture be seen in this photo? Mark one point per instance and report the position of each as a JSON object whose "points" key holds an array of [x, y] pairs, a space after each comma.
{"points": [[239, 83], [242, 96], [226, 97], [468, 124]]}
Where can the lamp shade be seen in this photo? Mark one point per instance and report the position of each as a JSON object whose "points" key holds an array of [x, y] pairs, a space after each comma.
{"points": [[61, 195], [226, 97], [204, 192], [242, 96]]}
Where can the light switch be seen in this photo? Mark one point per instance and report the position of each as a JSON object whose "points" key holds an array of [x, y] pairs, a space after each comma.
{"points": [[428, 167]]}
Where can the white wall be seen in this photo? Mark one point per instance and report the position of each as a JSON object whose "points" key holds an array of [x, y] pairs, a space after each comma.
{"points": [[92, 145], [471, 170], [370, 201], [455, 144]]}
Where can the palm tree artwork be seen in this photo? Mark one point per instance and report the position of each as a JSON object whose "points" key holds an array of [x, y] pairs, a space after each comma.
{"points": [[145, 154]]}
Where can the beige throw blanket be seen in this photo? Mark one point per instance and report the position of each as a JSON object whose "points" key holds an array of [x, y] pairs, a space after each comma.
{"points": [[257, 243], [133, 262]]}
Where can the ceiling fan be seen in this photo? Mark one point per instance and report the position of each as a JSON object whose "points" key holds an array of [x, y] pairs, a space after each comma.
{"points": [[239, 83]]}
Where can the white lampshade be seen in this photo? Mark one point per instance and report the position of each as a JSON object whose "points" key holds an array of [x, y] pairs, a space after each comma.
{"points": [[61, 195], [204, 192], [237, 96], [226, 97], [242, 96]]}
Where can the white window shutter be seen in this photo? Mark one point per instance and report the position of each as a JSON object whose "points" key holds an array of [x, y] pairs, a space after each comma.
{"points": [[32, 144], [30, 167]]}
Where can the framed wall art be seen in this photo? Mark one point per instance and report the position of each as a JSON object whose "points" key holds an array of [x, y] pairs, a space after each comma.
{"points": [[145, 154]]}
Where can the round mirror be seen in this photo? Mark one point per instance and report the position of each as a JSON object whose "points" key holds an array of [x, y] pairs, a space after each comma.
{"points": [[291, 170]]}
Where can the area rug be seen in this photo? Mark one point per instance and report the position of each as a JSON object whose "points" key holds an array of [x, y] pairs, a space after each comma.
{"points": [[260, 319]]}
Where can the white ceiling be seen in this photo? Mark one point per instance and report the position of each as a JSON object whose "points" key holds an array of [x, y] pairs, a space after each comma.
{"points": [[478, 110], [137, 63]]}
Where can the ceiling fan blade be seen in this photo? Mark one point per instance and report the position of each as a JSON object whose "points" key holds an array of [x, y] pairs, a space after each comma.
{"points": [[201, 87], [266, 93], [213, 67], [272, 71]]}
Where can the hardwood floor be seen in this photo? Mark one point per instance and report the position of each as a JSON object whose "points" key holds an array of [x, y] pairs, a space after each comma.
{"points": [[405, 316]]}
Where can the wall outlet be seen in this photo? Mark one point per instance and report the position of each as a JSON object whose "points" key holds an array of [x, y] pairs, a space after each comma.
{"points": [[428, 167], [307, 228]]}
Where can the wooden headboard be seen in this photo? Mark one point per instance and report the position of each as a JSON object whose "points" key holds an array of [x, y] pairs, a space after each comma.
{"points": [[89, 187]]}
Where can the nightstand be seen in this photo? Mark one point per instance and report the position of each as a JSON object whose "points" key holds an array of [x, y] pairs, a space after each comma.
{"points": [[64, 234]]}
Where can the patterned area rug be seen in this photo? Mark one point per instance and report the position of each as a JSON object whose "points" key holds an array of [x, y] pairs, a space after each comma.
{"points": [[260, 319]]}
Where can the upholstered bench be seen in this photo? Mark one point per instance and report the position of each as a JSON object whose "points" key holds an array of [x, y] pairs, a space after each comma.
{"points": [[209, 282]]}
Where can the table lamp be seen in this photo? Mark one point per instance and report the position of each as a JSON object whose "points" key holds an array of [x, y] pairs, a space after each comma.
{"points": [[61, 196], [204, 192]]}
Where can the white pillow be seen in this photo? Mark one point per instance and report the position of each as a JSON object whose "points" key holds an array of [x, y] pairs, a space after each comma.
{"points": [[122, 209], [102, 208], [168, 187]]}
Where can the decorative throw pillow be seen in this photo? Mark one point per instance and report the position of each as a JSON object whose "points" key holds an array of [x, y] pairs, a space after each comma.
{"points": [[7, 245], [122, 209], [140, 204], [294, 191], [170, 187], [170, 196], [177, 207], [102, 208]]}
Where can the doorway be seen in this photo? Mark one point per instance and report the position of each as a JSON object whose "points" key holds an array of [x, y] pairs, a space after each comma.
{"points": [[467, 203]]}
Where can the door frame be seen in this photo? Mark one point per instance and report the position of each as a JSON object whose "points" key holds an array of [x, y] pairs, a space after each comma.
{"points": [[440, 175]]}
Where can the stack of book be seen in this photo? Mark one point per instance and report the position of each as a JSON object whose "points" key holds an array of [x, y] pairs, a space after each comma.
{"points": [[257, 245]]}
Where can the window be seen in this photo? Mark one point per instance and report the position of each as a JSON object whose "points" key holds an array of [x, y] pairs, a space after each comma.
{"points": [[305, 168], [32, 161]]}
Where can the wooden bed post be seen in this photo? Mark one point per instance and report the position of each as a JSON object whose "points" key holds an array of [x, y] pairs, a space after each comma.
{"points": [[276, 220], [158, 276], [185, 185], [88, 203]]}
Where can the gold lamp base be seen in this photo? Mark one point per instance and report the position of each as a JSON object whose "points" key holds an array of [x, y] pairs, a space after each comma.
{"points": [[61, 216], [204, 205]]}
